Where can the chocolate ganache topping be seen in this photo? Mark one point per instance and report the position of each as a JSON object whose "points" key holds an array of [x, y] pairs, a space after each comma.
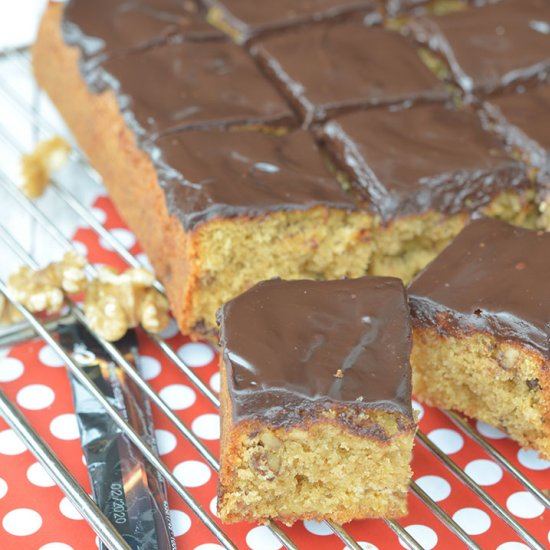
{"points": [[492, 278], [517, 117], [251, 173], [326, 69], [492, 46], [191, 83], [428, 157], [248, 18], [103, 28], [292, 348]]}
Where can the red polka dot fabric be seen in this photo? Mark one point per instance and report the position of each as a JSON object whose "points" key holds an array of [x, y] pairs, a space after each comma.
{"points": [[34, 514]]}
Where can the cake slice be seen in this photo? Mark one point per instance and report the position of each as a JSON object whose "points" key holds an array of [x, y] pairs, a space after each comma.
{"points": [[481, 330], [327, 69], [424, 172], [491, 47], [316, 406], [105, 28], [516, 117], [247, 19]]}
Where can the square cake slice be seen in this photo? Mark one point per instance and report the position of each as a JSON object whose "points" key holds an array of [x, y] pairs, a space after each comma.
{"points": [[331, 68], [316, 407], [516, 117], [105, 28], [245, 207], [189, 83], [481, 330], [246, 19], [493, 46], [424, 171]]}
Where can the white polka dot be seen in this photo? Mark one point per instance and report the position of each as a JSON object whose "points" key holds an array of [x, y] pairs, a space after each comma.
{"points": [[207, 426], [171, 330], [192, 473], [56, 546], [166, 441], [125, 237], [318, 528], [214, 506], [215, 380], [3, 488], [489, 431], [512, 546], [196, 354], [22, 522], [67, 508], [449, 441], [145, 262], [363, 545], [438, 489], [35, 397], [209, 546], [484, 472], [99, 215], [418, 408], [473, 520], [149, 366], [425, 536], [37, 475], [64, 427], [531, 459], [49, 357], [81, 248], [10, 443], [524, 505], [10, 369], [261, 538], [181, 522], [178, 396]]}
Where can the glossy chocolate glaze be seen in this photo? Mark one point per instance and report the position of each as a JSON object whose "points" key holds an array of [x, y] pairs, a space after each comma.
{"points": [[249, 18], [251, 173], [492, 46], [429, 157], [293, 349], [326, 69], [176, 85], [103, 28], [522, 119], [492, 278]]}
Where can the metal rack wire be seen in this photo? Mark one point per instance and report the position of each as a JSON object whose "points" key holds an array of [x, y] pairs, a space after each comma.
{"points": [[63, 478]]}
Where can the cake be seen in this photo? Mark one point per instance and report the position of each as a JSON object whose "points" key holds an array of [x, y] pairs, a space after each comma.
{"points": [[243, 20], [516, 117], [316, 406], [137, 81], [492, 47], [326, 69], [425, 183], [481, 318]]}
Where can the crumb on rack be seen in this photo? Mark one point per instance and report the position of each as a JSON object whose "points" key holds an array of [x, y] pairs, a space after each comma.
{"points": [[339, 374], [37, 167]]}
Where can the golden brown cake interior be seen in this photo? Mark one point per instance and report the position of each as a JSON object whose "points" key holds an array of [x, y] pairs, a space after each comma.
{"points": [[318, 471], [487, 378]]}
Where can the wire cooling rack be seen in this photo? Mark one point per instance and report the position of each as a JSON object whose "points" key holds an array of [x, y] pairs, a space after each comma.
{"points": [[28, 110]]}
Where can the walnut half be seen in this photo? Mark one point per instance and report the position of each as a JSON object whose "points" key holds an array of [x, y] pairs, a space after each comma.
{"points": [[37, 167], [43, 290], [116, 302]]}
